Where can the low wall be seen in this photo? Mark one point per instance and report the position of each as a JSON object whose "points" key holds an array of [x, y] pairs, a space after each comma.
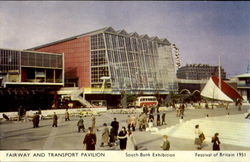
{"points": [[51, 112]]}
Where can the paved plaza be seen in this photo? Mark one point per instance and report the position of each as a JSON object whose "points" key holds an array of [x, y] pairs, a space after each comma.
{"points": [[233, 129]]}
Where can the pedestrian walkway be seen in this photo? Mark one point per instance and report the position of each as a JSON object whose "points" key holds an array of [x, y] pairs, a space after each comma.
{"points": [[232, 129], [51, 137], [18, 135]]}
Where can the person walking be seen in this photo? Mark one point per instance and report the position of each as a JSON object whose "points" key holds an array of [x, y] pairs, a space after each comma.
{"points": [[166, 143], [93, 122], [115, 124], [239, 104], [80, 125], [181, 109], [199, 137], [67, 115], [112, 137], [158, 119], [133, 122], [90, 139], [131, 144], [144, 121], [129, 122], [105, 135], [150, 121], [163, 122], [20, 113], [122, 136], [114, 131], [216, 142], [35, 120], [55, 118]]}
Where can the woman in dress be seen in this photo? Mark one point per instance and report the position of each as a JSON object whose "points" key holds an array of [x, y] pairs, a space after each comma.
{"points": [[105, 135], [199, 137], [130, 141], [216, 142], [122, 136], [150, 121]]}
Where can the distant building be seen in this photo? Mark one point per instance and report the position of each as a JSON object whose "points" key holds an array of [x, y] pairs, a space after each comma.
{"points": [[199, 72], [243, 85], [30, 68]]}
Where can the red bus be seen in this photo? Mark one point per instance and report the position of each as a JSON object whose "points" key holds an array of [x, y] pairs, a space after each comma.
{"points": [[146, 100]]}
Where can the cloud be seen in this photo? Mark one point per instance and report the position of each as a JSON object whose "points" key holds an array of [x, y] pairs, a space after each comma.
{"points": [[202, 30]]}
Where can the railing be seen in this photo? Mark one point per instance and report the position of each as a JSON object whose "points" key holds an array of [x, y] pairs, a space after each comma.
{"points": [[97, 90], [243, 85]]}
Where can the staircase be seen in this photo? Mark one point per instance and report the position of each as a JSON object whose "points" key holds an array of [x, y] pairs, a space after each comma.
{"points": [[75, 94]]}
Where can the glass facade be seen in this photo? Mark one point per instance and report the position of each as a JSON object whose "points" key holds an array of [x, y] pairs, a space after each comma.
{"points": [[131, 61], [32, 59], [99, 62], [28, 66], [9, 61]]}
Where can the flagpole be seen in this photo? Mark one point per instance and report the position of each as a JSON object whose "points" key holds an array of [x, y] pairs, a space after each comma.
{"points": [[219, 74]]}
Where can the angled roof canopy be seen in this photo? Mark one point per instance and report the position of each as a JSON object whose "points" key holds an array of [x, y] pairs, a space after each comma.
{"points": [[106, 29], [155, 38], [134, 34], [110, 29], [144, 36], [123, 32], [164, 40]]}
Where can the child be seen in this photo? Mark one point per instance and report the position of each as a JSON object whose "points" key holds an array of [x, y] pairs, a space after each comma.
{"points": [[80, 125], [166, 144]]}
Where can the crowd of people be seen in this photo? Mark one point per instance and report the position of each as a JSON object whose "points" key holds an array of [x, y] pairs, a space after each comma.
{"points": [[147, 117], [37, 117], [125, 137], [111, 135]]}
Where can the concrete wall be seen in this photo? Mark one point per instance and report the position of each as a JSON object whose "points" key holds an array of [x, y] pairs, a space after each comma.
{"points": [[51, 112]]}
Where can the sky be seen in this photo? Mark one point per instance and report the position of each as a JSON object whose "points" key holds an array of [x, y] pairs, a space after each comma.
{"points": [[201, 30]]}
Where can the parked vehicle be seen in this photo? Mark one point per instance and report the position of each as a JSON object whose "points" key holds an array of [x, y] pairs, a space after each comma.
{"points": [[146, 100]]}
